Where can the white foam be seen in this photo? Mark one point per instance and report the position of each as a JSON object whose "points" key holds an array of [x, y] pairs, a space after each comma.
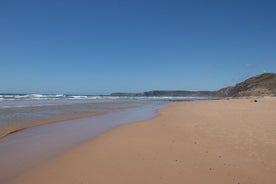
{"points": [[17, 97]]}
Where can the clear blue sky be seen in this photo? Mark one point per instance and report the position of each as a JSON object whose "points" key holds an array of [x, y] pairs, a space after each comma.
{"points": [[102, 46]]}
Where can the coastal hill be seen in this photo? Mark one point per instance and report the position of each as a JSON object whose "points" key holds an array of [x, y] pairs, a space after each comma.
{"points": [[260, 85]]}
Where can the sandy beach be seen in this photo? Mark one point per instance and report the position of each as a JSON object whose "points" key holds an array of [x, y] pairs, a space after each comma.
{"points": [[221, 141]]}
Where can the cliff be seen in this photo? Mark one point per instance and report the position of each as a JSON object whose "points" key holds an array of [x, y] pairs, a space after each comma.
{"points": [[260, 85]]}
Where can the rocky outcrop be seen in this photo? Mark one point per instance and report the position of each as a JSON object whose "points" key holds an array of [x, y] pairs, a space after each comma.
{"points": [[260, 85]]}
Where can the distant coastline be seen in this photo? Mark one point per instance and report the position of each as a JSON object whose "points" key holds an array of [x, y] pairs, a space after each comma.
{"points": [[260, 85]]}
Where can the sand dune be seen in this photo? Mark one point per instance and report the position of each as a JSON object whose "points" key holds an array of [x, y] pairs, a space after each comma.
{"points": [[224, 141]]}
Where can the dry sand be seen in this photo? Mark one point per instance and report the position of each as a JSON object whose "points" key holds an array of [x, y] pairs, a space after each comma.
{"points": [[198, 142]]}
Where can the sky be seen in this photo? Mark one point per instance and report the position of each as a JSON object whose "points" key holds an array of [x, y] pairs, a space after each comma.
{"points": [[105, 46]]}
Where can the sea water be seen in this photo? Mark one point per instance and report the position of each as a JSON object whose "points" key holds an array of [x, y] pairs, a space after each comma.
{"points": [[20, 114], [20, 111]]}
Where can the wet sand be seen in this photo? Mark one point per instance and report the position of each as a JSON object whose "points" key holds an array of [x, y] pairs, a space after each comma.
{"points": [[28, 124], [18, 115], [28, 148], [223, 141]]}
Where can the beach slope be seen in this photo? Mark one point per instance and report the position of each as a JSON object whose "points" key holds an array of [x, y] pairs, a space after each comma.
{"points": [[223, 141]]}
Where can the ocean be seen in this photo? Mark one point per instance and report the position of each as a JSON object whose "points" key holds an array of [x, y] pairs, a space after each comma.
{"points": [[20, 111]]}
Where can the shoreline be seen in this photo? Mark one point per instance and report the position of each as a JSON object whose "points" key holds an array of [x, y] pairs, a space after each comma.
{"points": [[221, 141], [27, 149], [18, 115]]}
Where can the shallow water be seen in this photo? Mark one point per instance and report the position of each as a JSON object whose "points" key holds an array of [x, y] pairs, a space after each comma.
{"points": [[20, 114], [23, 150], [23, 111]]}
